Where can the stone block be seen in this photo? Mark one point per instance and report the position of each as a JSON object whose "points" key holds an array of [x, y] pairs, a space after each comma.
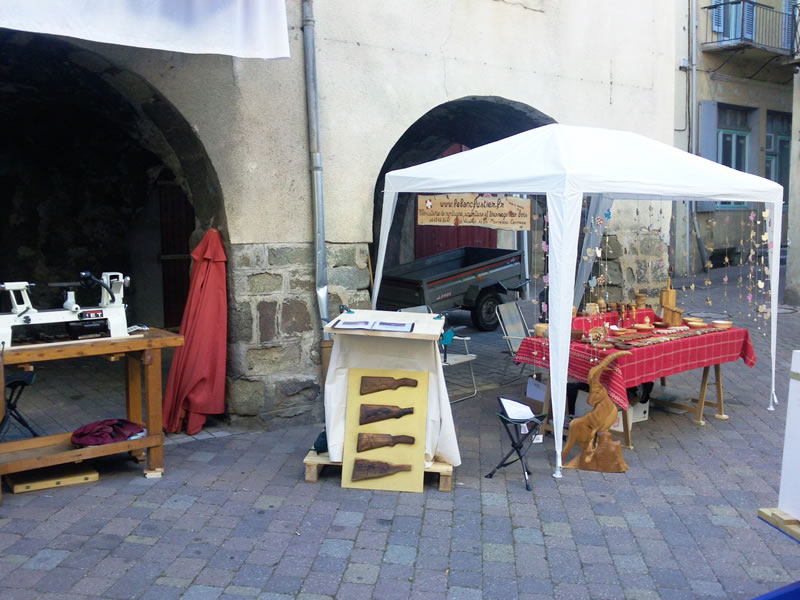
{"points": [[302, 282], [248, 256], [613, 270], [295, 399], [341, 255], [651, 245], [265, 283], [240, 323], [295, 317], [245, 396], [271, 360], [612, 249], [291, 255], [267, 321], [350, 278]]}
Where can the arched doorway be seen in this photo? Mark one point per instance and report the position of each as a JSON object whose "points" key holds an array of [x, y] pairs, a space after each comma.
{"points": [[98, 172], [470, 122]]}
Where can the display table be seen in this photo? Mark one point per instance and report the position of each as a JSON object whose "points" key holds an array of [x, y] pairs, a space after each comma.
{"points": [[416, 350], [652, 362], [142, 354]]}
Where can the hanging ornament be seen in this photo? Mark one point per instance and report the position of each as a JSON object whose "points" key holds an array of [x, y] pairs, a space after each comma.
{"points": [[586, 230], [709, 265], [590, 252], [599, 252], [762, 308], [601, 279], [547, 218], [535, 217], [765, 214], [691, 287], [708, 300], [599, 221], [752, 217], [593, 282], [749, 299], [607, 214], [707, 282], [724, 279], [760, 284], [545, 247], [544, 307], [546, 279], [764, 236]]}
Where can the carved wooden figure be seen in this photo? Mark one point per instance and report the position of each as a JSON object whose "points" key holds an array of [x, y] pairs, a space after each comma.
{"points": [[584, 430], [372, 413], [370, 385], [370, 469], [370, 441]]}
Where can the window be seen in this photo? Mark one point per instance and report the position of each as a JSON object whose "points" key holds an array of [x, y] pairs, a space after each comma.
{"points": [[733, 140], [733, 20]]}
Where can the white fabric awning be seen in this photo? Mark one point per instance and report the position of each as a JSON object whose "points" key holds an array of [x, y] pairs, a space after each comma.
{"points": [[564, 163], [243, 28]]}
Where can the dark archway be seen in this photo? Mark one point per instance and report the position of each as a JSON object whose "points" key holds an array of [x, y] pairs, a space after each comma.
{"points": [[472, 121], [99, 172]]}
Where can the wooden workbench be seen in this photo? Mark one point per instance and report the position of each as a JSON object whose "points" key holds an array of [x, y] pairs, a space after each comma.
{"points": [[142, 355]]}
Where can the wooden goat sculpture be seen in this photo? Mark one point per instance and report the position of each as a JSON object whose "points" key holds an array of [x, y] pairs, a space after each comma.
{"points": [[590, 432]]}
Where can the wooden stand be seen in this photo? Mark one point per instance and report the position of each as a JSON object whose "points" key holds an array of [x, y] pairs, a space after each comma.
{"points": [[701, 401], [315, 462], [781, 520], [143, 402]]}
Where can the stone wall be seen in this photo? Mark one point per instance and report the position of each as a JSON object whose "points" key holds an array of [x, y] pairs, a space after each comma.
{"points": [[634, 262], [274, 359]]}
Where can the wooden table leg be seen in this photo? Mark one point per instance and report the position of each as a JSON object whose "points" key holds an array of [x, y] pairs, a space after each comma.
{"points": [[626, 429], [701, 401], [545, 426], [133, 396], [720, 403], [155, 425]]}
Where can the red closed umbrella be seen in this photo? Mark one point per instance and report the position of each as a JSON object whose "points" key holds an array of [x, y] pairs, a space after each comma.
{"points": [[196, 382]]}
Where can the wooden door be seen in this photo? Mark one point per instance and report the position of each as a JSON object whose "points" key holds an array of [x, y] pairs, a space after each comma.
{"points": [[432, 239], [177, 224]]}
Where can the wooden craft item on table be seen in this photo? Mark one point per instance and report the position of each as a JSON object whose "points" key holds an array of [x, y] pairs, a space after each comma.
{"points": [[673, 316], [372, 469], [584, 430], [607, 456], [370, 441], [669, 297], [372, 413], [370, 385]]}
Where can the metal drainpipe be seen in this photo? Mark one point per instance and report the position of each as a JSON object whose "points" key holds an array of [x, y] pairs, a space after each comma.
{"points": [[315, 157], [701, 243]]}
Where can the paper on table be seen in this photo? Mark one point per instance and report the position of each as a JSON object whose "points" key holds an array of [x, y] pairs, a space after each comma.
{"points": [[375, 325], [516, 410]]}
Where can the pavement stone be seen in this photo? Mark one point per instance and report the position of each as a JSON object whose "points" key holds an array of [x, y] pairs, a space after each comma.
{"points": [[233, 517]]}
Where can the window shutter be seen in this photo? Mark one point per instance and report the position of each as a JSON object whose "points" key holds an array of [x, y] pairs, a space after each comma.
{"points": [[749, 20], [789, 7], [716, 17]]}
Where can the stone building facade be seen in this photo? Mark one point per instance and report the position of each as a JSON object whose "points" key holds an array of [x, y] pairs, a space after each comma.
{"points": [[223, 142]]}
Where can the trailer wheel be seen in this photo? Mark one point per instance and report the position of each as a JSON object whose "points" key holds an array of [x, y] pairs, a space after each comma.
{"points": [[484, 316]]}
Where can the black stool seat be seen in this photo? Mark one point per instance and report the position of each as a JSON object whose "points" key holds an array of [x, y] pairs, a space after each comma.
{"points": [[519, 432], [14, 385]]}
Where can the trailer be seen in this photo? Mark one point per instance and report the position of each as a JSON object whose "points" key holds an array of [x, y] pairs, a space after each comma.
{"points": [[476, 279]]}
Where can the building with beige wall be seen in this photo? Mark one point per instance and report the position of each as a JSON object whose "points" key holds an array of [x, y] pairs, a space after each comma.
{"points": [[187, 142]]}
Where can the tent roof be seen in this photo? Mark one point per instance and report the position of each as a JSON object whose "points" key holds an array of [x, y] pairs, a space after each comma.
{"points": [[567, 158]]}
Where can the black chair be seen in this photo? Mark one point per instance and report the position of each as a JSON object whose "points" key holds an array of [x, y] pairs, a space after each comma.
{"points": [[519, 432], [15, 384]]}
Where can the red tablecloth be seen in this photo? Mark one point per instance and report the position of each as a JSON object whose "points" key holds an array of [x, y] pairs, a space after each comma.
{"points": [[612, 318], [647, 363]]}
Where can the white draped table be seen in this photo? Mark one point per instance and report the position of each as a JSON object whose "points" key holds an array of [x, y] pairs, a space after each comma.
{"points": [[416, 350]]}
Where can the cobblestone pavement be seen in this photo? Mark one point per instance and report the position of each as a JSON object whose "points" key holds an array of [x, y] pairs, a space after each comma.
{"points": [[233, 517]]}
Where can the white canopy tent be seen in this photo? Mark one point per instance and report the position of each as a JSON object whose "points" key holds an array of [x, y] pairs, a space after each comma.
{"points": [[243, 28], [564, 163]]}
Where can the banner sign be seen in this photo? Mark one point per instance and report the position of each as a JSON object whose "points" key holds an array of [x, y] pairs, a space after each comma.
{"points": [[485, 210]]}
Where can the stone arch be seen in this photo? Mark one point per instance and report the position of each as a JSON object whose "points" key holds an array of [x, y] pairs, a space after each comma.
{"points": [[89, 148], [472, 121]]}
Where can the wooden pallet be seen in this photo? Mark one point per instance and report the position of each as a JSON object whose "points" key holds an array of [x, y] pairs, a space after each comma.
{"points": [[315, 462], [50, 477], [782, 520]]}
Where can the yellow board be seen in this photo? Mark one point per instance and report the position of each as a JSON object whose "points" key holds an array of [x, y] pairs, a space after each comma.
{"points": [[410, 425], [50, 477]]}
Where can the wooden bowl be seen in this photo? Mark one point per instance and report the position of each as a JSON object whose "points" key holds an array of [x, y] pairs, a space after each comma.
{"points": [[696, 324], [722, 324], [576, 335], [621, 331], [643, 326], [661, 324]]}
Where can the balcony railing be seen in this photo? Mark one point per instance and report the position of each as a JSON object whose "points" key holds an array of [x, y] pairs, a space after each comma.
{"points": [[744, 23]]}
